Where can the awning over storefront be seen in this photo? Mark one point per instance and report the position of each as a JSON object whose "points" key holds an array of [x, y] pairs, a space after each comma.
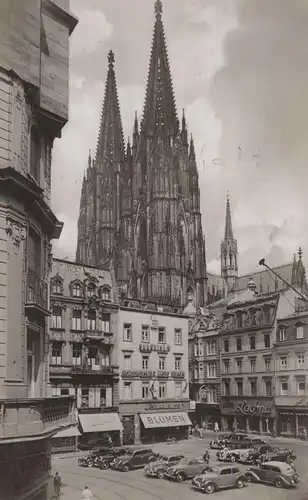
{"points": [[100, 422], [70, 432], [177, 419]]}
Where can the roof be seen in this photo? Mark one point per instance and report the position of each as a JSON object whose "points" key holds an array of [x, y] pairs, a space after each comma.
{"points": [[265, 280]]}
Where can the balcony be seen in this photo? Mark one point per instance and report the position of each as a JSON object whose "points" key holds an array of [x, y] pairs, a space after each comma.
{"points": [[36, 294], [60, 369], [22, 418], [93, 370], [103, 337]]}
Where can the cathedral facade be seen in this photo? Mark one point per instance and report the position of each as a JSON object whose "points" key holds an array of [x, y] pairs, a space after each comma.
{"points": [[140, 201]]}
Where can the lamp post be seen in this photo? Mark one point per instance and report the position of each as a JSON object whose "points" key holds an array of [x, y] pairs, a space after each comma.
{"points": [[263, 263]]}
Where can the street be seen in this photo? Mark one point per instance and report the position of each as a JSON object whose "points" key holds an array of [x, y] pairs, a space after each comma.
{"points": [[114, 485]]}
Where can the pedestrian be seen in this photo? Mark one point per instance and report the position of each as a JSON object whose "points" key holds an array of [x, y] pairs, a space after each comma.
{"points": [[57, 484], [305, 433], [86, 494], [216, 427]]}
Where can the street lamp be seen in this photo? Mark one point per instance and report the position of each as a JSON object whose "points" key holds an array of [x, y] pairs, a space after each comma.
{"points": [[263, 263]]}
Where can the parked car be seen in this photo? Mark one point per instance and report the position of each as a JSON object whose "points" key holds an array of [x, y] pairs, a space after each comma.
{"points": [[219, 477], [234, 454], [105, 461], [159, 467], [267, 453], [185, 469], [93, 457], [220, 441], [277, 473], [133, 459], [258, 441]]}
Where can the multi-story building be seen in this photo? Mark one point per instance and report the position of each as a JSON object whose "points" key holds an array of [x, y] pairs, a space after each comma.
{"points": [[152, 353], [290, 365], [34, 63], [204, 368], [82, 356]]}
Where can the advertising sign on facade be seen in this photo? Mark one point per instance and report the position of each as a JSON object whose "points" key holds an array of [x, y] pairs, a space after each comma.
{"points": [[248, 408]]}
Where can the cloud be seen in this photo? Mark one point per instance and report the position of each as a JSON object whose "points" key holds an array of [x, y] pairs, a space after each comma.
{"points": [[93, 29]]}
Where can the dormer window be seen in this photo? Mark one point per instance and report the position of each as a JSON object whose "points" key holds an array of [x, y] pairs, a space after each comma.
{"points": [[91, 290], [57, 285], [106, 294]]}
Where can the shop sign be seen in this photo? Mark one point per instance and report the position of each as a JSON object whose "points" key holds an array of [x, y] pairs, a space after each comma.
{"points": [[162, 348], [177, 374], [254, 408], [164, 406], [138, 374]]}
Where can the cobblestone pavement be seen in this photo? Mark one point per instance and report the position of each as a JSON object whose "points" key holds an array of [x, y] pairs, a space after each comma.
{"points": [[114, 485]]}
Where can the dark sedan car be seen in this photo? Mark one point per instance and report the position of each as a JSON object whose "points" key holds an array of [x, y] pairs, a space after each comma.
{"points": [[266, 453], [278, 474]]}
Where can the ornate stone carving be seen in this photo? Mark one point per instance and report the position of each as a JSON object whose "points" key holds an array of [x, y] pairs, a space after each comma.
{"points": [[16, 231]]}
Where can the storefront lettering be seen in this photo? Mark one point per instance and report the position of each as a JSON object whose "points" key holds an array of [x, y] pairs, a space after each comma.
{"points": [[138, 374], [254, 408], [164, 406], [167, 419]]}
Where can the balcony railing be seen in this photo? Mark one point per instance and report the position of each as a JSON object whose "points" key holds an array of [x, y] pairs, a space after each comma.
{"points": [[95, 369], [35, 417], [36, 291]]}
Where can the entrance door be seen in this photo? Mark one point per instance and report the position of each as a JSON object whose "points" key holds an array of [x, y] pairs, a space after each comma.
{"points": [[128, 430]]}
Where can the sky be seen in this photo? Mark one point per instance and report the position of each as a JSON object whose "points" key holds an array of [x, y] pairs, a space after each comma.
{"points": [[240, 71]]}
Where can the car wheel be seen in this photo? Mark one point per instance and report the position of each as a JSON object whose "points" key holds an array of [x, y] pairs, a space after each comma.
{"points": [[232, 458], [90, 463], [240, 483], [249, 478], [181, 477], [126, 468], [160, 474], [210, 488], [244, 457], [105, 465], [278, 483]]}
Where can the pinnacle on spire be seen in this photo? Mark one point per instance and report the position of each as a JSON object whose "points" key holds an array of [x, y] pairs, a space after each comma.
{"points": [[183, 121], [228, 226], [159, 107], [300, 254], [110, 144], [89, 159], [192, 147]]}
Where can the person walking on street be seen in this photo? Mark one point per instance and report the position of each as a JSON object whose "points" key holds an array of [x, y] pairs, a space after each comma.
{"points": [[216, 427], [57, 484], [86, 494]]}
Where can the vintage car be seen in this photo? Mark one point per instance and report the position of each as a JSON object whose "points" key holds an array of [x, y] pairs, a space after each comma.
{"points": [[222, 440], [105, 461], [277, 473], [159, 467], [218, 477], [187, 468], [134, 459], [94, 457], [233, 454], [266, 453]]}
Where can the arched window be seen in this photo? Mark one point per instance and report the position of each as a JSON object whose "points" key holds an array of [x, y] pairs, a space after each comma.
{"points": [[190, 294], [76, 290], [106, 294]]}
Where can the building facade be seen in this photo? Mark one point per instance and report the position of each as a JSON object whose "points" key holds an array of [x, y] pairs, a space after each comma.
{"points": [[152, 353], [82, 353], [32, 111], [291, 351], [140, 202]]}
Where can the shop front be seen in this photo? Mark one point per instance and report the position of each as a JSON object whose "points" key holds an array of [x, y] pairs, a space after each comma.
{"points": [[250, 415], [150, 423], [65, 440], [292, 419], [206, 414], [103, 427]]}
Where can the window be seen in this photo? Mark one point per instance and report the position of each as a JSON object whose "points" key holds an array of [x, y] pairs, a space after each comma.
{"points": [[106, 323], [56, 317], [35, 153], [300, 361], [284, 388], [91, 319], [94, 357], [226, 345], [127, 361], [76, 290], [162, 363], [211, 369], [127, 332], [55, 391], [199, 348], [56, 288], [238, 344], [226, 365], [105, 359], [76, 358], [84, 397], [283, 363], [239, 364], [76, 319], [178, 389], [239, 318], [177, 336], [106, 294], [253, 387], [145, 362], [252, 365], [162, 390], [267, 341], [239, 384], [127, 390], [64, 391], [268, 387], [299, 332], [282, 334], [56, 353], [211, 347], [201, 370], [226, 388], [252, 343], [267, 363], [145, 334], [162, 335], [34, 253], [145, 391], [225, 472], [102, 396], [212, 395], [177, 363], [91, 290], [301, 388]]}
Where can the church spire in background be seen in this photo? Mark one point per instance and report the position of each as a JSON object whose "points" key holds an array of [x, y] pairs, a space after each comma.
{"points": [[229, 268], [228, 222]]}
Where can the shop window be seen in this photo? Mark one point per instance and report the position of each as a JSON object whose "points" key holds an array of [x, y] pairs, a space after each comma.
{"points": [[284, 388], [226, 365], [106, 323], [267, 341], [211, 347], [301, 388], [127, 361], [268, 387], [127, 332], [238, 344], [252, 365], [299, 332], [252, 343], [226, 388], [162, 335], [283, 363], [56, 317], [211, 369], [253, 387], [162, 390], [177, 390], [145, 334], [76, 357], [127, 390], [56, 353], [267, 363], [226, 345], [145, 362], [301, 361], [76, 320], [239, 384], [91, 320], [76, 290], [145, 391], [162, 363], [177, 336], [239, 365], [282, 334], [106, 294], [177, 363]]}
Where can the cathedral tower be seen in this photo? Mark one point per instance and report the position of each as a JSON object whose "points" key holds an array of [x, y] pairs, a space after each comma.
{"points": [[229, 269]]}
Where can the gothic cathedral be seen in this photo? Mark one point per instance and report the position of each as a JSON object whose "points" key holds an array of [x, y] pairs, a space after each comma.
{"points": [[140, 203]]}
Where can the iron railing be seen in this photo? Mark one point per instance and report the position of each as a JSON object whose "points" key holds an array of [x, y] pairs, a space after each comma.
{"points": [[36, 291]]}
